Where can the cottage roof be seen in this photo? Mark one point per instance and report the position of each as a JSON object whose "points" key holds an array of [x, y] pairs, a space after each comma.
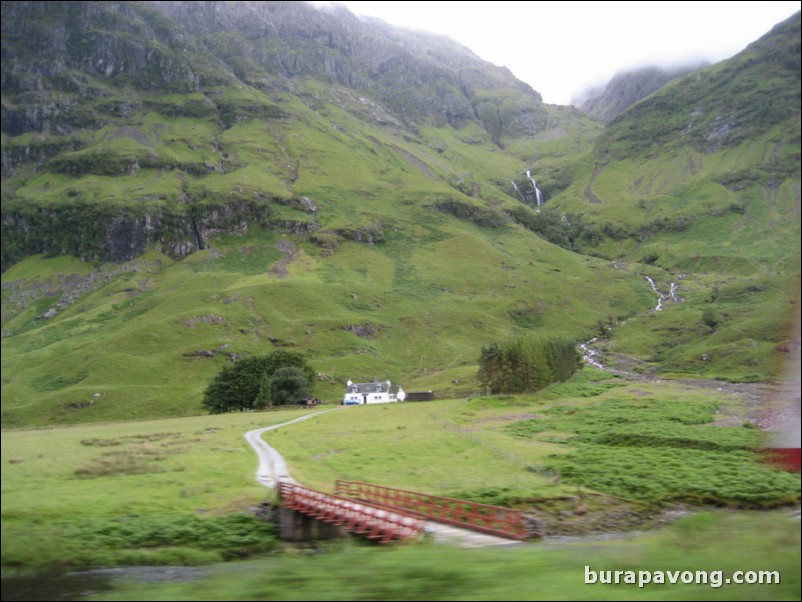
{"points": [[374, 387]]}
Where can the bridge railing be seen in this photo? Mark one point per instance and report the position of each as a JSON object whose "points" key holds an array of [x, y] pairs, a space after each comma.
{"points": [[494, 520], [370, 521]]}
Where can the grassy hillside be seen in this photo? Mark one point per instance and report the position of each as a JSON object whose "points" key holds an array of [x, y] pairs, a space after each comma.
{"points": [[424, 310], [702, 180], [410, 262], [231, 208]]}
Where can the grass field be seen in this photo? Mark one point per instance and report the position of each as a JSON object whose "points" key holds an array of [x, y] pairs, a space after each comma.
{"points": [[714, 543], [95, 495], [109, 488], [636, 440]]}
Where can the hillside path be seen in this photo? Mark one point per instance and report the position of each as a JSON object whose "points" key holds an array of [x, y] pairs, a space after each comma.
{"points": [[273, 469]]}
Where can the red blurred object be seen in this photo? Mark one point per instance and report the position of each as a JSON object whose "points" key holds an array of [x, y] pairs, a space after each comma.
{"points": [[785, 458], [493, 520], [781, 416]]}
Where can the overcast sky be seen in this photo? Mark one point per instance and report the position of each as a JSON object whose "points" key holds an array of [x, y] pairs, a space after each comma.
{"points": [[561, 48]]}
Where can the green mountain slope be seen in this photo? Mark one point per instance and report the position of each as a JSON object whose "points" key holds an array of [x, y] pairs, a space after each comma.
{"points": [[299, 213], [702, 179], [185, 185]]}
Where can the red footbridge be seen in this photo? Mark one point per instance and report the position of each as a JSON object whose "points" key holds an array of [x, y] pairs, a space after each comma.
{"points": [[369, 521], [386, 515]]}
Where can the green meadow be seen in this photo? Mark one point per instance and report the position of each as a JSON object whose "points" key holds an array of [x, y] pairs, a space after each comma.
{"points": [[165, 491], [133, 492], [635, 440]]}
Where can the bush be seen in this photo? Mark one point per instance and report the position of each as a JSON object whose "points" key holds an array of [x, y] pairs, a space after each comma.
{"points": [[481, 216], [712, 318], [565, 231], [661, 450], [168, 539]]}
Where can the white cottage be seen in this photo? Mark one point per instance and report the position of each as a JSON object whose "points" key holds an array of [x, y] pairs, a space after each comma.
{"points": [[375, 392]]}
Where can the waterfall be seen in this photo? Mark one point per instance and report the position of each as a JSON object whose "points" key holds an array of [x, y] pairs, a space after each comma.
{"points": [[589, 355], [538, 192], [661, 298], [515, 186], [672, 293]]}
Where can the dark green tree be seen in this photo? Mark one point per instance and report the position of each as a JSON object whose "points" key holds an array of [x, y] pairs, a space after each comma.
{"points": [[526, 364], [489, 366], [246, 384], [563, 358], [288, 386]]}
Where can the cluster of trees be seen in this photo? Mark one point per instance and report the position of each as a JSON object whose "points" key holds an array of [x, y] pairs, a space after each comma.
{"points": [[526, 364], [280, 378]]}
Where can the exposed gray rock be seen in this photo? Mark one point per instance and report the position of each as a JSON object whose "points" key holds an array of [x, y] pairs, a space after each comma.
{"points": [[122, 233], [365, 330]]}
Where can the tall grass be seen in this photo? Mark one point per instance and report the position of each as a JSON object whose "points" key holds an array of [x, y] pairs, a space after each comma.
{"points": [[547, 571]]}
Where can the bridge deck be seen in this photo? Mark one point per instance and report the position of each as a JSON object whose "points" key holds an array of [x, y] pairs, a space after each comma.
{"points": [[485, 518], [366, 520]]}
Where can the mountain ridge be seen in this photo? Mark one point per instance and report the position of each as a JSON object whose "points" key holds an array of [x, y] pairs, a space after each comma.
{"points": [[628, 87]]}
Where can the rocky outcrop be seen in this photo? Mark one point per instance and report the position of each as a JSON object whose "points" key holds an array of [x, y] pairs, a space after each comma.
{"points": [[36, 151], [365, 330], [116, 233], [369, 234], [60, 57]]}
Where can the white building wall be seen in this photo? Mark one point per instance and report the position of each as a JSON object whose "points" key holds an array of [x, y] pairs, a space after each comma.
{"points": [[354, 397]]}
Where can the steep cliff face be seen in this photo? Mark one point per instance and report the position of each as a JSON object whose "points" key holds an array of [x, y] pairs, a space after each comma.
{"points": [[108, 233], [627, 88], [57, 57], [99, 95], [420, 77], [70, 65]]}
